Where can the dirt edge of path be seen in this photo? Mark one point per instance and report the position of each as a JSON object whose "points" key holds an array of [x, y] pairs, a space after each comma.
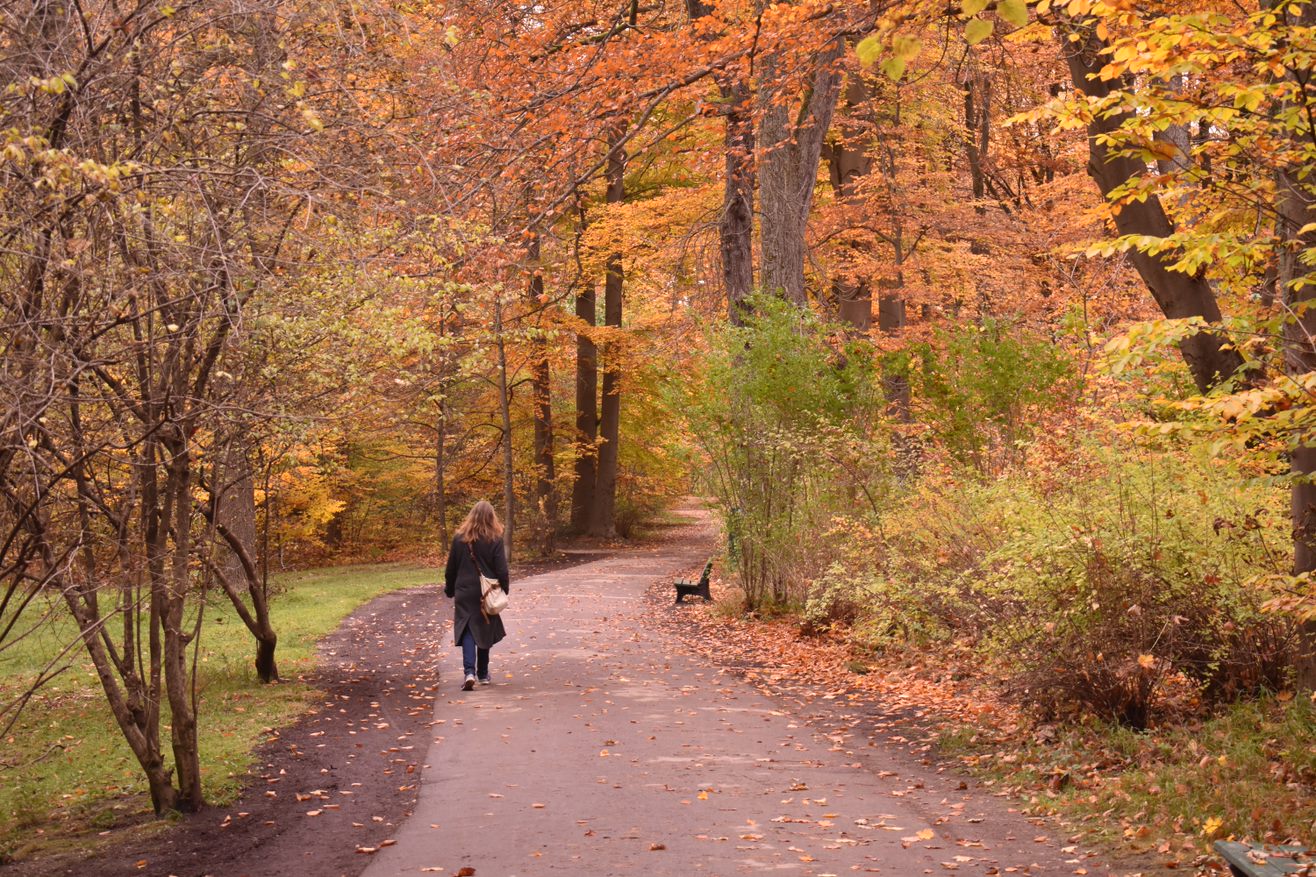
{"points": [[856, 720], [356, 750]]}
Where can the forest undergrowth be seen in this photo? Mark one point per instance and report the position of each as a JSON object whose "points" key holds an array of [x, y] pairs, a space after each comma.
{"points": [[1087, 609], [1243, 769]]}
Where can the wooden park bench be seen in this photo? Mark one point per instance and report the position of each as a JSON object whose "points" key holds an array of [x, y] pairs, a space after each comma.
{"points": [[1246, 860], [686, 588]]}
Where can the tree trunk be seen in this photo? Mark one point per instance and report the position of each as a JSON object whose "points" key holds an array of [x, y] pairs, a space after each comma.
{"points": [[171, 583], [505, 409], [441, 437], [587, 415], [891, 320], [237, 506], [235, 522], [603, 519], [1296, 203], [257, 617], [735, 225], [790, 141], [977, 128], [542, 403], [1175, 137], [133, 696], [1178, 295], [441, 471], [849, 160]]}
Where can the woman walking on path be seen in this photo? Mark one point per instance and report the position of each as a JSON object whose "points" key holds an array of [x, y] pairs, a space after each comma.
{"points": [[477, 548]]}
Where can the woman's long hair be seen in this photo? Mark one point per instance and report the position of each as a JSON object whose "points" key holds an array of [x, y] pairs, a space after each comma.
{"points": [[481, 524]]}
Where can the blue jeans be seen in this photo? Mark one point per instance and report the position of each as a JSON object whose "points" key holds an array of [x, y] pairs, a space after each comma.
{"points": [[475, 661]]}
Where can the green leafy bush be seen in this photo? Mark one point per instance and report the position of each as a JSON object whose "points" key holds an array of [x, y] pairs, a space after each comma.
{"points": [[1138, 580], [1135, 587], [790, 417], [977, 386]]}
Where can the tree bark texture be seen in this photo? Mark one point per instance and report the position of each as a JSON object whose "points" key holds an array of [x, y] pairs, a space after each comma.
{"points": [[587, 415], [735, 225], [849, 160], [1296, 203], [603, 519], [1178, 295], [542, 399], [234, 517], [505, 410], [441, 469], [977, 128], [790, 138]]}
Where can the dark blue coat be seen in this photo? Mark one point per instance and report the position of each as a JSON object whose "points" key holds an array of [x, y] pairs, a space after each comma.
{"points": [[461, 582]]}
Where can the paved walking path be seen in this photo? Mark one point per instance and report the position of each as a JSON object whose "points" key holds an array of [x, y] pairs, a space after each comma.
{"points": [[604, 748]]}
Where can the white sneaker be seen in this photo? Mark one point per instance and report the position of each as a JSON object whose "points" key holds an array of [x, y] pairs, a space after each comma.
{"points": [[469, 683], [486, 680]]}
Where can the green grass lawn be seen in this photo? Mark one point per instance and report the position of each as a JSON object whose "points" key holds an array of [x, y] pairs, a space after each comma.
{"points": [[65, 766]]}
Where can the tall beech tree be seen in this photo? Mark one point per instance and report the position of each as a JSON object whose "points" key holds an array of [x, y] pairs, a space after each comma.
{"points": [[545, 495], [603, 515], [587, 389], [735, 223], [1210, 355], [794, 118]]}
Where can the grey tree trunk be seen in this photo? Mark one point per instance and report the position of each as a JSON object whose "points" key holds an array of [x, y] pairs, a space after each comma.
{"points": [[441, 436], [977, 128], [1178, 295], [1176, 137], [441, 472], [735, 225], [790, 139]]}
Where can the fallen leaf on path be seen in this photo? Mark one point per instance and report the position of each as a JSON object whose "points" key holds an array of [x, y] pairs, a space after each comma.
{"points": [[655, 846]]}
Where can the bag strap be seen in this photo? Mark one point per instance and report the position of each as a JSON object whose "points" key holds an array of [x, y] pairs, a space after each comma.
{"points": [[470, 546], [475, 560]]}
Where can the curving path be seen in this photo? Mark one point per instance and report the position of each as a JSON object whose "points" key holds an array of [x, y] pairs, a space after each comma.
{"points": [[604, 748]]}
